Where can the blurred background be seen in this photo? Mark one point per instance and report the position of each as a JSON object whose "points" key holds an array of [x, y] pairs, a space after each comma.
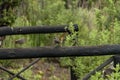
{"points": [[98, 22]]}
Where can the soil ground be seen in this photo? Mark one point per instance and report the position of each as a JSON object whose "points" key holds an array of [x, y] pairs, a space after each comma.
{"points": [[52, 70], [49, 69]]}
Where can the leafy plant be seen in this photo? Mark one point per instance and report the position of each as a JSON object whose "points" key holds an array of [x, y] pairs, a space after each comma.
{"points": [[96, 27], [113, 76]]}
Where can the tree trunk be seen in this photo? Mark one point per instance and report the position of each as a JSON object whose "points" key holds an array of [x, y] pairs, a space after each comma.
{"points": [[68, 4]]}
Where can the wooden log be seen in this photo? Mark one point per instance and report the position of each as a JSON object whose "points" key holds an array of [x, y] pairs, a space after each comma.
{"points": [[20, 53], [35, 30]]}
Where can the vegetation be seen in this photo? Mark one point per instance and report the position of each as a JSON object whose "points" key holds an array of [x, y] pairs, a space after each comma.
{"points": [[98, 22]]}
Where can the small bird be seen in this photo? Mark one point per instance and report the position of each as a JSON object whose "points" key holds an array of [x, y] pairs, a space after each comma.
{"points": [[59, 40], [56, 42], [20, 41], [107, 72]]}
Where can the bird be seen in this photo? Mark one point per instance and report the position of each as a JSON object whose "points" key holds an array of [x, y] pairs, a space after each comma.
{"points": [[59, 40], [107, 72], [56, 41], [20, 41]]}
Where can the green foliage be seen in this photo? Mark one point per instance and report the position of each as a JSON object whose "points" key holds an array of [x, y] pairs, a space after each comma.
{"points": [[7, 16], [113, 76], [103, 33], [97, 76], [28, 74], [96, 27]]}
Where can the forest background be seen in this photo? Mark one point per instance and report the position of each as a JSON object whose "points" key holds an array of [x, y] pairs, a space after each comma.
{"points": [[98, 22]]}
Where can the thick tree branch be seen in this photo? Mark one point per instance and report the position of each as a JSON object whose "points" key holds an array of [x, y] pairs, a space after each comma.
{"points": [[19, 53], [35, 29]]}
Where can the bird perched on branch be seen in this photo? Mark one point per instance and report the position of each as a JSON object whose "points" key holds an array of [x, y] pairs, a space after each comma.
{"points": [[57, 42]]}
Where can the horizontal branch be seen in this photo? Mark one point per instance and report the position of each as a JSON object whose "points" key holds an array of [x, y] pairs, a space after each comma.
{"points": [[20, 53], [35, 30]]}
